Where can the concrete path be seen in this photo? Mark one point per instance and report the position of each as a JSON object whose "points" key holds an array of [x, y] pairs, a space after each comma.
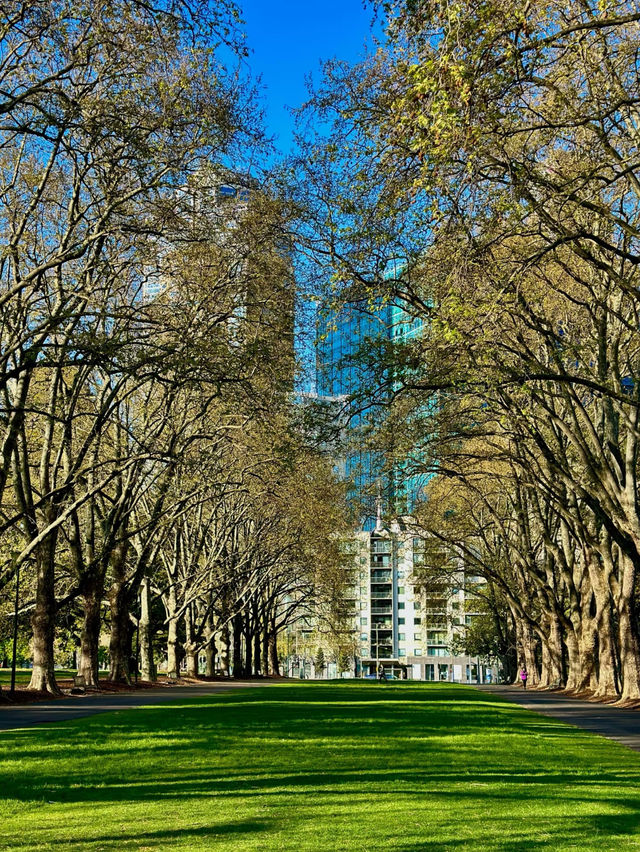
{"points": [[76, 706], [616, 723]]}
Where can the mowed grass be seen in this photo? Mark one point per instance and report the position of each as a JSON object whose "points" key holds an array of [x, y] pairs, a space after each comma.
{"points": [[333, 766], [24, 675]]}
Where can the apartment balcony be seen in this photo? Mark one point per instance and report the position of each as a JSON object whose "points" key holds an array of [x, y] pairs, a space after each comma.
{"points": [[383, 652], [381, 576], [387, 624], [381, 595], [381, 610]]}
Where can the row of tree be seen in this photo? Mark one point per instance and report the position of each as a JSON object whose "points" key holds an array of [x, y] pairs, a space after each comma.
{"points": [[492, 149], [152, 476]]}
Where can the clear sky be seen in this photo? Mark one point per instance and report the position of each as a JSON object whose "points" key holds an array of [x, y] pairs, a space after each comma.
{"points": [[290, 38]]}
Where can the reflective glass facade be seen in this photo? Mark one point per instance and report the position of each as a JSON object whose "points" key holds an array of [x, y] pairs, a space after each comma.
{"points": [[347, 376]]}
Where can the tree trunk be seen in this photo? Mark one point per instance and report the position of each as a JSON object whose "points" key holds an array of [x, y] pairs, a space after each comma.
{"points": [[265, 648], [224, 650], [121, 634], [607, 680], [629, 652], [607, 674], [237, 645], [587, 648], [209, 648], [248, 647], [190, 648], [526, 652], [43, 619], [274, 664], [173, 669], [147, 662], [257, 641], [93, 591], [573, 660], [551, 675]]}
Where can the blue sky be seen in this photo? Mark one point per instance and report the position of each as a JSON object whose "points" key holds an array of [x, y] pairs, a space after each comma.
{"points": [[289, 39]]}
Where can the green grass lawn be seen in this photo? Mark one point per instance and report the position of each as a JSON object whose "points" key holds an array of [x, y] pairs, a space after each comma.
{"points": [[24, 675], [319, 766]]}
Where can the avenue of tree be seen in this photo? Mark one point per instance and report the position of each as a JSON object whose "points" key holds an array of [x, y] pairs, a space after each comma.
{"points": [[492, 148], [154, 482]]}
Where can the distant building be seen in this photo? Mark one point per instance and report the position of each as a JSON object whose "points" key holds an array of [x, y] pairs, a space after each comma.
{"points": [[396, 625]]}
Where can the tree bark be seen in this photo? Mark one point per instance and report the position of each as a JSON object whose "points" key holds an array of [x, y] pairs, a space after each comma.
{"points": [[93, 591], [173, 670], [274, 663], [147, 662], [121, 635], [224, 650], [265, 648], [43, 619], [237, 670], [190, 647], [628, 634]]}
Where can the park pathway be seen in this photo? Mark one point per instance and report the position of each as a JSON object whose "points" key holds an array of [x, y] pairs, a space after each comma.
{"points": [[76, 706], [616, 723]]}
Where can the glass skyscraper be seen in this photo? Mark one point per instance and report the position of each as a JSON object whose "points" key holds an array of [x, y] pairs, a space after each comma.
{"points": [[348, 375]]}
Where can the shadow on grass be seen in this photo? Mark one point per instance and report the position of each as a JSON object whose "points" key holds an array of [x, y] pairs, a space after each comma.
{"points": [[311, 749]]}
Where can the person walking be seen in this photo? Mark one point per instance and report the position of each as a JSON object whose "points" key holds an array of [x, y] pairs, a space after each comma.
{"points": [[524, 674]]}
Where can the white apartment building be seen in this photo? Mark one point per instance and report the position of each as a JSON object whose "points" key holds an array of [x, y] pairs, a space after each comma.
{"points": [[397, 625]]}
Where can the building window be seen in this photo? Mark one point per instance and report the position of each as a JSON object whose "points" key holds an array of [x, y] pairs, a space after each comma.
{"points": [[401, 605], [436, 637], [417, 621], [364, 637], [417, 652], [437, 652], [401, 590], [401, 621], [400, 637], [417, 636], [417, 605], [402, 652], [363, 621]]}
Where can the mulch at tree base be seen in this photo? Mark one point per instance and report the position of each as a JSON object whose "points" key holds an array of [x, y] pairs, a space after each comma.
{"points": [[28, 696]]}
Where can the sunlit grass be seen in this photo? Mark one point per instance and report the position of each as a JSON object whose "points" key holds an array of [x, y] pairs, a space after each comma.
{"points": [[24, 675], [319, 766]]}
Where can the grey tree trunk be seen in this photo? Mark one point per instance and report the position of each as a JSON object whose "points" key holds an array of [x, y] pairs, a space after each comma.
{"points": [[190, 648], [172, 634], [147, 663], [43, 620], [209, 648], [237, 646], [628, 636]]}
